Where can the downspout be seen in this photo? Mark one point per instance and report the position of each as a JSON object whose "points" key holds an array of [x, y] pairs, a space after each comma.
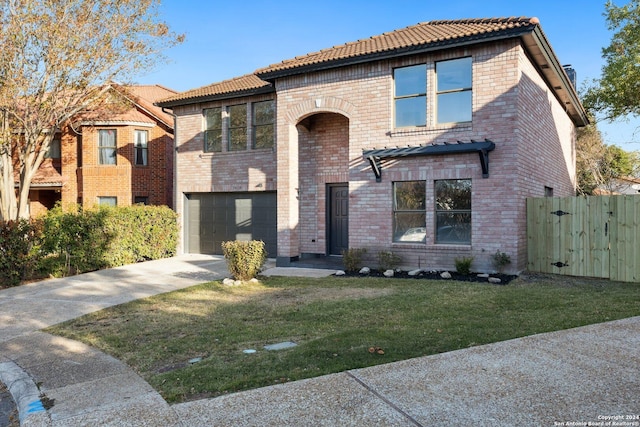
{"points": [[180, 248]]}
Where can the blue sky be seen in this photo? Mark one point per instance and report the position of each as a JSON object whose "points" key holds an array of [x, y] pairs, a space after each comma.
{"points": [[226, 39]]}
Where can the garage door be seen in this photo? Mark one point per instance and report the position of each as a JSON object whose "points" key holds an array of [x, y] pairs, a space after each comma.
{"points": [[213, 218]]}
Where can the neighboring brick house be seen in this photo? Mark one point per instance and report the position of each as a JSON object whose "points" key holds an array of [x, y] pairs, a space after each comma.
{"points": [[424, 141], [121, 156]]}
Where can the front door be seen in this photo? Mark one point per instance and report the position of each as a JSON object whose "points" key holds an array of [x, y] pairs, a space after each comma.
{"points": [[338, 221]]}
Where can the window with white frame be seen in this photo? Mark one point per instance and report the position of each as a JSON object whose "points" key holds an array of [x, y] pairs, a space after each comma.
{"points": [[263, 124], [107, 201], [409, 215], [410, 96], [454, 90], [453, 211], [107, 148], [141, 148]]}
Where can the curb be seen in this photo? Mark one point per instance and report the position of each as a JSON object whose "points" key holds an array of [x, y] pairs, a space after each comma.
{"points": [[25, 394]]}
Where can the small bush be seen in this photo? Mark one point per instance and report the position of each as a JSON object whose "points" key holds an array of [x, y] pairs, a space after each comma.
{"points": [[352, 258], [500, 260], [19, 249], [244, 259], [463, 265], [387, 260]]}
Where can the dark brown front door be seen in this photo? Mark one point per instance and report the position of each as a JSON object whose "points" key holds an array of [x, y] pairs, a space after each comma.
{"points": [[338, 230]]}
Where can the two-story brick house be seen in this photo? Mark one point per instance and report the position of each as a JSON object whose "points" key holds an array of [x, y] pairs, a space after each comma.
{"points": [[425, 141], [117, 156]]}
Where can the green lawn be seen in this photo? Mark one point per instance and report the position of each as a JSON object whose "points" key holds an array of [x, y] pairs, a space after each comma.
{"points": [[334, 321]]}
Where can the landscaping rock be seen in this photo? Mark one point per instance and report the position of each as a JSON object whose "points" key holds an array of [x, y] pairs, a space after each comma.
{"points": [[445, 275], [415, 272], [340, 273], [494, 280], [365, 270], [483, 275], [389, 273]]}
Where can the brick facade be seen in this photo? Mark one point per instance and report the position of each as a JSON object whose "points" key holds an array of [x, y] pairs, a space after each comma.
{"points": [[84, 180], [327, 117]]}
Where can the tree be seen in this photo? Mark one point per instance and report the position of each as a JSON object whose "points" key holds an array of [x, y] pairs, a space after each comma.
{"points": [[57, 59], [598, 164], [615, 94]]}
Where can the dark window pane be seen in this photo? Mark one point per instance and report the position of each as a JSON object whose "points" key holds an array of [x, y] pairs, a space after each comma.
{"points": [[264, 113], [410, 195], [409, 217], [213, 118], [453, 194], [213, 140], [238, 116], [237, 139], [453, 211], [453, 228], [264, 136]]}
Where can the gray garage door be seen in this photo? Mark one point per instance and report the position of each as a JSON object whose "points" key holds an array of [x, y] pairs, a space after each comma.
{"points": [[213, 218]]}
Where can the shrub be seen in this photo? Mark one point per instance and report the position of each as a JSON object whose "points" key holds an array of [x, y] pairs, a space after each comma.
{"points": [[500, 260], [352, 258], [19, 250], [244, 259], [463, 265], [81, 240], [387, 260]]}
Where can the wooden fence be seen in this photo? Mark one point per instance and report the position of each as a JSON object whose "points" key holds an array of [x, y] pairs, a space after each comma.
{"points": [[596, 236]]}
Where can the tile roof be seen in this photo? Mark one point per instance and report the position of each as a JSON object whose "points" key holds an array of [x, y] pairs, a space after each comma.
{"points": [[238, 85], [147, 95], [411, 38], [46, 176]]}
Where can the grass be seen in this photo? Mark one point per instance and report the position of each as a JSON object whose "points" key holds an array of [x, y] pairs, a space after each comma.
{"points": [[334, 321]]}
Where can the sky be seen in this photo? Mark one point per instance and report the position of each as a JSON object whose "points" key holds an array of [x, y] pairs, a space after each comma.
{"points": [[230, 38]]}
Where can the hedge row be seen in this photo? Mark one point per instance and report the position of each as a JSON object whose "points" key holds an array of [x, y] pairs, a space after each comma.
{"points": [[70, 242]]}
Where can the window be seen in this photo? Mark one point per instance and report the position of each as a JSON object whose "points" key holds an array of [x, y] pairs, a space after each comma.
{"points": [[454, 90], [108, 201], [107, 147], [263, 124], [548, 191], [409, 216], [141, 147], [238, 127], [140, 200], [410, 99], [54, 149], [453, 211], [213, 130]]}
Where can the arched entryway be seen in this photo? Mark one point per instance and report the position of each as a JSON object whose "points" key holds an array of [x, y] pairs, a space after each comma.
{"points": [[323, 183]]}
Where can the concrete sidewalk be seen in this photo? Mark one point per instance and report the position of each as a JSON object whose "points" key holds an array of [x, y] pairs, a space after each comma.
{"points": [[581, 375]]}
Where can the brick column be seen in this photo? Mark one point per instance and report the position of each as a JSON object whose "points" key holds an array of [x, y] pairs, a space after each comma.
{"points": [[288, 204]]}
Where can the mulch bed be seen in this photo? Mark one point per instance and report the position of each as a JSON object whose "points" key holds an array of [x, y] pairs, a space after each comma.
{"points": [[435, 275]]}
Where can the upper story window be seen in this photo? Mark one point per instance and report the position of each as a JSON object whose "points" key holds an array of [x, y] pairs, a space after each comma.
{"points": [[264, 124], [238, 127], [54, 151], [107, 148], [228, 128], [213, 129], [454, 100], [410, 96], [141, 148], [453, 211]]}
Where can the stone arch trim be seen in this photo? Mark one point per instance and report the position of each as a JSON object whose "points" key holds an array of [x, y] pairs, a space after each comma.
{"points": [[322, 104]]}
